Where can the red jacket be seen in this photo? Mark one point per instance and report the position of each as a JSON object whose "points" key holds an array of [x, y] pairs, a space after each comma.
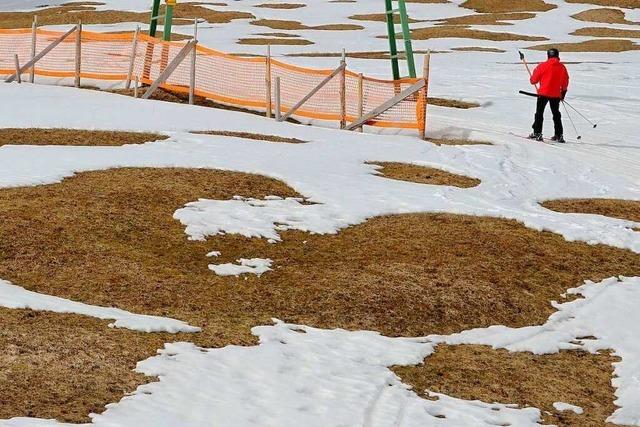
{"points": [[553, 78]]}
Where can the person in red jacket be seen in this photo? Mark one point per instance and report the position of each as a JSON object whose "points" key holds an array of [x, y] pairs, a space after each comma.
{"points": [[553, 78]]}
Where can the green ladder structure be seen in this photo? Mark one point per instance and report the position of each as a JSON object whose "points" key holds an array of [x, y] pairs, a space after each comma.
{"points": [[391, 13], [168, 18]]}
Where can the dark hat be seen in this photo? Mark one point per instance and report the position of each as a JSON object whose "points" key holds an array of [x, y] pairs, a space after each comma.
{"points": [[553, 53]]}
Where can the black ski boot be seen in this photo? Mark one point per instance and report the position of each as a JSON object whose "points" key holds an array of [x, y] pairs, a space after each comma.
{"points": [[558, 138], [536, 136]]}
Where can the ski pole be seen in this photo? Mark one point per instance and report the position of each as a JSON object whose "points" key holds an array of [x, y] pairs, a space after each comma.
{"points": [[524, 61], [571, 120], [595, 125]]}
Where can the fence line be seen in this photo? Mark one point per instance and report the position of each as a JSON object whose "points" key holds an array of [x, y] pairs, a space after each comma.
{"points": [[225, 78]]}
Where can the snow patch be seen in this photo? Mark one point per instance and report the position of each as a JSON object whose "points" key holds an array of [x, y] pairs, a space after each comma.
{"points": [[561, 406], [257, 266], [16, 297]]}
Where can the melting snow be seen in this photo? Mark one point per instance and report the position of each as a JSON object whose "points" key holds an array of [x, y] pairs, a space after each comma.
{"points": [[561, 406]]}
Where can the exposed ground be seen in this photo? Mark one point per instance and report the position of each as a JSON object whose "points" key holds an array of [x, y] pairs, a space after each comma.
{"points": [[108, 238], [275, 41], [623, 209], [487, 19], [506, 6], [456, 141], [629, 4], [478, 372], [607, 16], [254, 136], [599, 45], [10, 136], [278, 24], [424, 175], [478, 49], [72, 12], [452, 103], [464, 32], [606, 32]]}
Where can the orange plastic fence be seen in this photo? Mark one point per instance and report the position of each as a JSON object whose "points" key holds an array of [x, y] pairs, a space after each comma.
{"points": [[229, 79]]}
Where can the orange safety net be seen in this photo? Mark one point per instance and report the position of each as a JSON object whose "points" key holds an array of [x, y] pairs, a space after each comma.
{"points": [[229, 79]]}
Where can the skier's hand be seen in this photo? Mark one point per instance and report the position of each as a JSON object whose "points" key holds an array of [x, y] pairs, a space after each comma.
{"points": [[564, 93]]}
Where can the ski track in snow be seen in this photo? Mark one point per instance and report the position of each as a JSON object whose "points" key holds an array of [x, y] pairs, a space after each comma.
{"points": [[16, 297]]}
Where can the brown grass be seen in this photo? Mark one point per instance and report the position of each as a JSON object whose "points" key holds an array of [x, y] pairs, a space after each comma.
{"points": [[607, 16], [254, 136], [452, 141], [452, 103], [281, 5], [278, 24], [11, 136], [616, 208], [285, 35], [424, 175], [359, 55], [478, 49], [627, 4], [478, 372], [108, 238], [73, 12], [379, 17], [159, 34], [486, 19], [601, 45], [275, 41], [463, 32], [606, 32], [507, 6]]}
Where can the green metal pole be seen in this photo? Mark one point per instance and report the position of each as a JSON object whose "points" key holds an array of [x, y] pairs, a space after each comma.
{"points": [[168, 20], [391, 30], [406, 35], [153, 24]]}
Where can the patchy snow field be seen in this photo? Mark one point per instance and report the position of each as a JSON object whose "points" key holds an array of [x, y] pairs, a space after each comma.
{"points": [[300, 375]]}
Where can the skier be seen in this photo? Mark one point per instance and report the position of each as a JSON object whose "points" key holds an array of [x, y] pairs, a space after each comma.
{"points": [[554, 83]]}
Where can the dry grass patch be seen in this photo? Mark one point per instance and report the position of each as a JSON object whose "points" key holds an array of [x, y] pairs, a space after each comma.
{"points": [[66, 366], [71, 13], [278, 24], [606, 16], [627, 4], [616, 208], [601, 45], [379, 17], [452, 103], [507, 6], [606, 32], [33, 136], [478, 49], [456, 141], [109, 238], [464, 32], [275, 41], [486, 19], [477, 372], [254, 136], [358, 55], [424, 175], [281, 5], [285, 35]]}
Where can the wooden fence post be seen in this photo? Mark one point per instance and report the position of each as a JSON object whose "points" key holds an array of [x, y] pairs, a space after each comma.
{"points": [[78, 53], [425, 95], [267, 81], [170, 68], [343, 91], [360, 98], [132, 60], [277, 95], [19, 76], [34, 29], [135, 88], [192, 73]]}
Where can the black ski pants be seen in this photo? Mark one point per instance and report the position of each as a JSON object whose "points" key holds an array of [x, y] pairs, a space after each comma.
{"points": [[554, 103]]}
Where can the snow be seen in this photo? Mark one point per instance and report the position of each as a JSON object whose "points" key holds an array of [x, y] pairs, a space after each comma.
{"points": [[296, 376], [214, 254], [12, 296], [561, 406], [257, 266]]}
